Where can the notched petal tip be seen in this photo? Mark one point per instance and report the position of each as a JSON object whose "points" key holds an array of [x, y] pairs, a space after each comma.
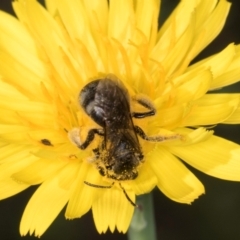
{"points": [[112, 210], [216, 156], [174, 179]]}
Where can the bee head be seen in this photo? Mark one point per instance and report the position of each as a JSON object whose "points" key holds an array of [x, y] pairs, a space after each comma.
{"points": [[124, 165]]}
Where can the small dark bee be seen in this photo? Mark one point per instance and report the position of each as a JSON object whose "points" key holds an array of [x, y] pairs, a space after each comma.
{"points": [[46, 142], [118, 156]]}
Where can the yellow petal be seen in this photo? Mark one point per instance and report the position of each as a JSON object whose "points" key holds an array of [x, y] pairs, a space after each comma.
{"points": [[83, 195], [194, 88], [15, 163], [7, 90], [17, 73], [8, 151], [176, 51], [174, 179], [121, 20], [13, 133], [193, 136], [21, 106], [230, 75], [188, 137], [216, 156], [211, 109], [39, 171], [54, 136], [69, 174], [74, 18], [113, 210], [62, 152], [218, 98], [203, 11], [97, 12], [18, 47], [145, 181], [51, 6], [35, 113], [53, 41], [17, 42], [168, 117], [212, 25], [43, 207], [147, 16], [234, 118], [174, 27], [9, 187], [85, 22], [217, 63]]}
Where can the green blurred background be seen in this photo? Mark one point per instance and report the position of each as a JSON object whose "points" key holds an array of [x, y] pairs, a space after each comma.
{"points": [[214, 216]]}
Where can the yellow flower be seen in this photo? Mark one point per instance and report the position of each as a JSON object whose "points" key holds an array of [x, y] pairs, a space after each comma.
{"points": [[48, 56]]}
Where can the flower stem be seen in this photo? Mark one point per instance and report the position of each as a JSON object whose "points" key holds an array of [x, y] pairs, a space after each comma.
{"points": [[143, 226]]}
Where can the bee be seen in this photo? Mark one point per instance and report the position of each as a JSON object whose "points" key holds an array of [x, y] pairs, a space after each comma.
{"points": [[119, 155], [46, 142]]}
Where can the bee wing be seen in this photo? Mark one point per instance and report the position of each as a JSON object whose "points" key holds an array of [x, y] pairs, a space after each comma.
{"points": [[112, 101], [122, 143]]}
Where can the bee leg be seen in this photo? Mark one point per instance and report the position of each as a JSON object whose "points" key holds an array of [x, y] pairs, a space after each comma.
{"points": [[74, 137], [158, 138], [96, 152], [110, 186], [97, 186], [127, 197], [90, 137], [147, 104]]}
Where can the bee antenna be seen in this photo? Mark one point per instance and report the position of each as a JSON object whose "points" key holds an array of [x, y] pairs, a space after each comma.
{"points": [[97, 186], [128, 198]]}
